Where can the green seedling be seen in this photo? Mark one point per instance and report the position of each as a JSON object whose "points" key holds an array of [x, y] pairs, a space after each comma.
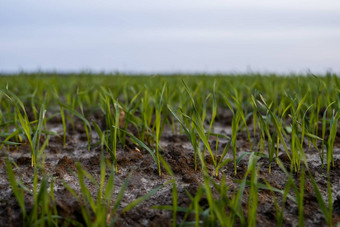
{"points": [[199, 127], [86, 123], [114, 133], [43, 212], [238, 116], [141, 144], [17, 191], [189, 132], [174, 191], [277, 126], [105, 213], [35, 141], [253, 194], [159, 108], [330, 143], [101, 208], [62, 114], [324, 132], [326, 211]]}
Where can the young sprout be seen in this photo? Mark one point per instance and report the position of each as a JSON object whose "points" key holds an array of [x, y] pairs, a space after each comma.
{"points": [[62, 114], [87, 126], [159, 108], [189, 132]]}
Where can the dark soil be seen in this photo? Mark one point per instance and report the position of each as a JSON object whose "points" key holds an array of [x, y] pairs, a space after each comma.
{"points": [[60, 163]]}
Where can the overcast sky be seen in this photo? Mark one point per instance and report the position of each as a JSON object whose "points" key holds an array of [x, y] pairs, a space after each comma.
{"points": [[170, 36]]}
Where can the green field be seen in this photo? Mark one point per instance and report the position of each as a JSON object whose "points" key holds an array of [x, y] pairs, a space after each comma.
{"points": [[180, 150]]}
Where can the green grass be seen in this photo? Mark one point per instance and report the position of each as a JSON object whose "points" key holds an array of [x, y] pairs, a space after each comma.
{"points": [[272, 115]]}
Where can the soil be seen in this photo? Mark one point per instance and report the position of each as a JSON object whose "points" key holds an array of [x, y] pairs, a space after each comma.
{"points": [[60, 164]]}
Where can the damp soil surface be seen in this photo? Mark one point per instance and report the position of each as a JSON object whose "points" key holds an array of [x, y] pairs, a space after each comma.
{"points": [[138, 165]]}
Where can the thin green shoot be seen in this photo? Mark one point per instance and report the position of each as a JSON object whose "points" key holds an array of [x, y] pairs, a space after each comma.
{"points": [[327, 212], [174, 191], [17, 191], [159, 107]]}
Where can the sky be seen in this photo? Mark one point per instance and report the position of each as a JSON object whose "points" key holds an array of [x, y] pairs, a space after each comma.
{"points": [[145, 36]]}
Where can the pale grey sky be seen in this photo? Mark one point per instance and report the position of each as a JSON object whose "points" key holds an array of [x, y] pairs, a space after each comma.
{"points": [[170, 36]]}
